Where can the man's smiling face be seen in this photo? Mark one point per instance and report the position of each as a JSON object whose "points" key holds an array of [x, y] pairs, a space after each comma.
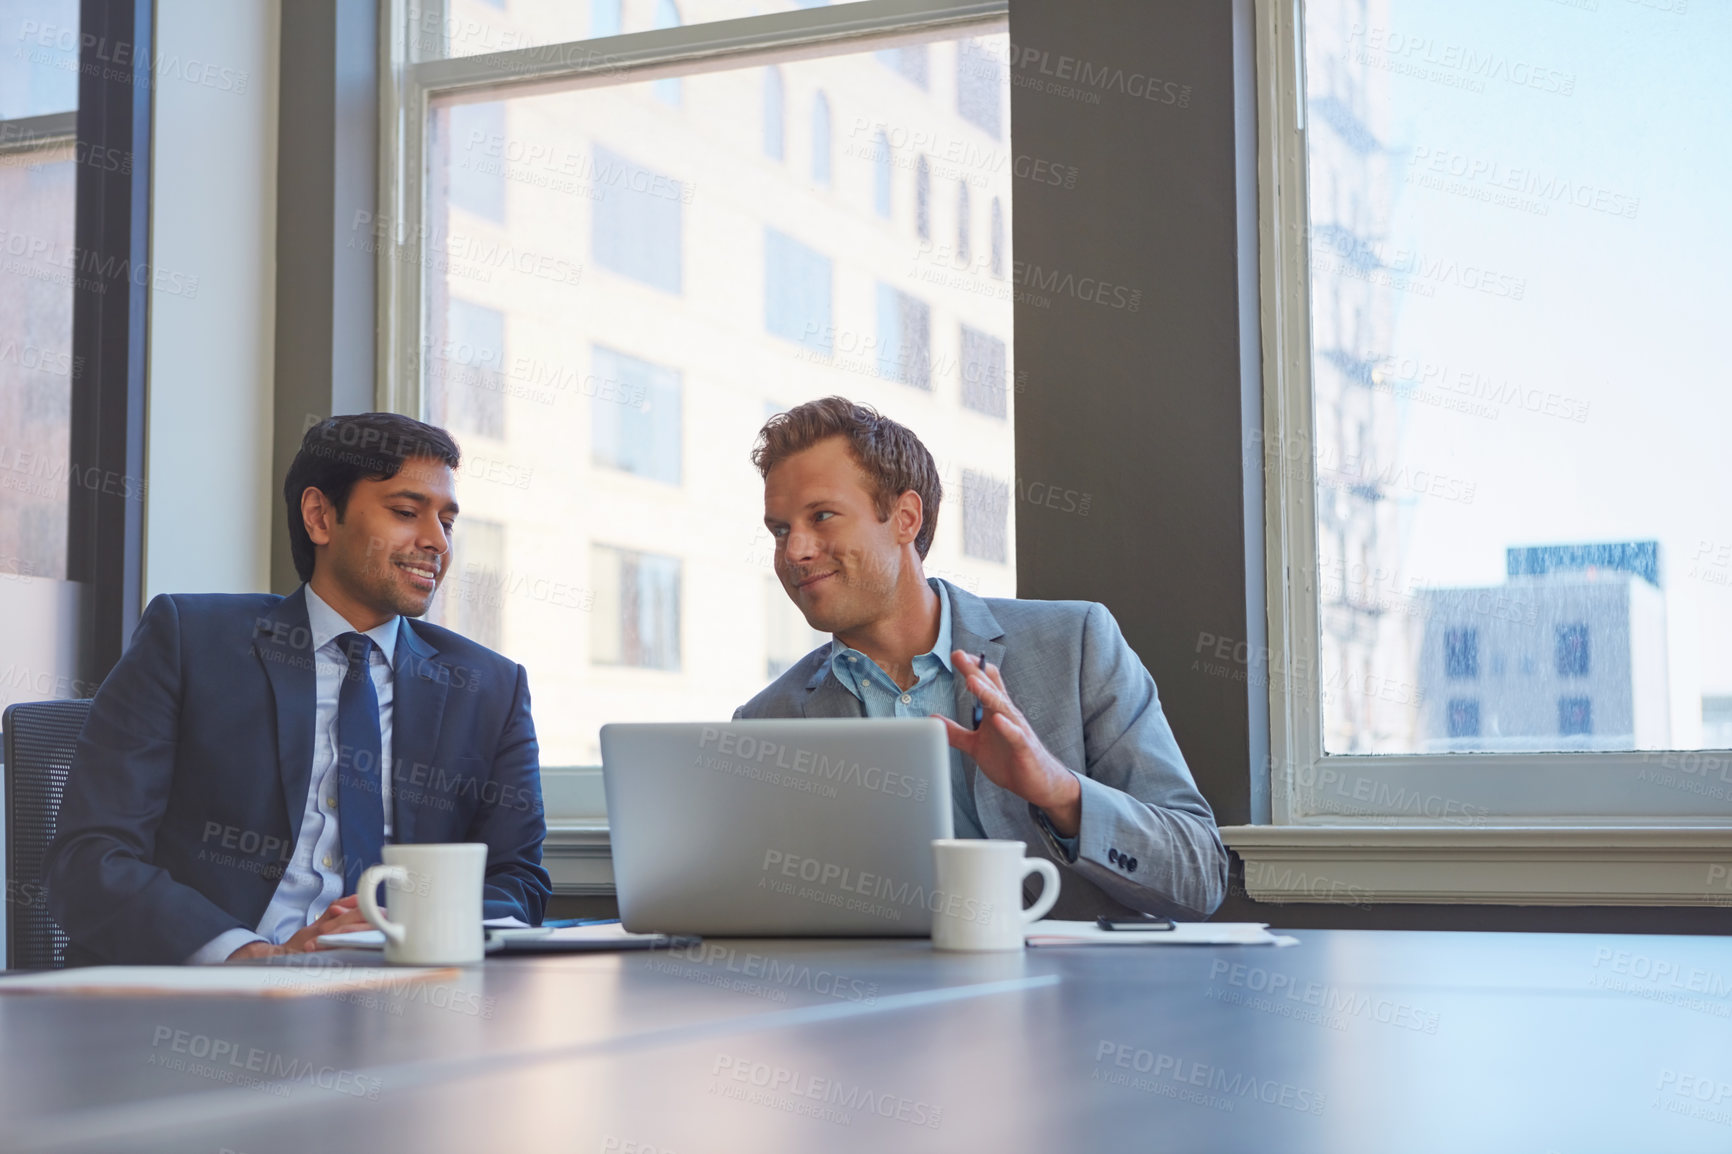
{"points": [[391, 548], [838, 561]]}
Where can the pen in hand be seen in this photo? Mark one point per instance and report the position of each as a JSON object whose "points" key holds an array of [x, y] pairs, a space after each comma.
{"points": [[979, 713]]}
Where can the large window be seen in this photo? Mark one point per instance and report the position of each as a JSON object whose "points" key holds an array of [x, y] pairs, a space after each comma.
{"points": [[39, 605], [650, 266], [1507, 523]]}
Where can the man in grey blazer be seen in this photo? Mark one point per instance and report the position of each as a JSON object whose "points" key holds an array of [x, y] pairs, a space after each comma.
{"points": [[1073, 754]]}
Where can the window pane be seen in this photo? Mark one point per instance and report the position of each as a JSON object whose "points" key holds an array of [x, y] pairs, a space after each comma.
{"points": [[984, 383], [911, 63], [637, 609], [1517, 302], [36, 369], [985, 513], [39, 47], [638, 221], [797, 292], [471, 599], [980, 92], [39, 607], [663, 286], [821, 139], [642, 437], [473, 27], [787, 638], [775, 117], [904, 338], [478, 177], [472, 361]]}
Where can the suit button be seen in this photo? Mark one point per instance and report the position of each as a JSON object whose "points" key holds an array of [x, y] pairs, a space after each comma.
{"points": [[1131, 866], [1113, 856], [327, 861]]}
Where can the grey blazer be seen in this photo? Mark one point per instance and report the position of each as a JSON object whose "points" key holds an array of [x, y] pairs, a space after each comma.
{"points": [[1148, 840]]}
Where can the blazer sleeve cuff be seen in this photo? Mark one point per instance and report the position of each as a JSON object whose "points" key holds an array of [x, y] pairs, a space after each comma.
{"points": [[1065, 847]]}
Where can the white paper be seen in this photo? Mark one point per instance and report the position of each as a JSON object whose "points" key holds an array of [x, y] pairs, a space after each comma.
{"points": [[1051, 932], [262, 981], [605, 932], [375, 939]]}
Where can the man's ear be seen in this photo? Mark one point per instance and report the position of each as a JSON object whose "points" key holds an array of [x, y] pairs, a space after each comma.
{"points": [[907, 515], [318, 515]]}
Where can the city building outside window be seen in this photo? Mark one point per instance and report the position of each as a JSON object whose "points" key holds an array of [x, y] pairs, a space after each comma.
{"points": [[985, 388], [980, 87], [478, 180], [639, 217], [775, 115], [985, 514], [997, 239], [904, 338], [635, 416], [883, 177], [922, 199], [964, 239], [821, 140], [797, 292], [637, 609]]}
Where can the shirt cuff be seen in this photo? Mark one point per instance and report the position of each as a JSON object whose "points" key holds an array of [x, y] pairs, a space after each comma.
{"points": [[217, 950], [1065, 845]]}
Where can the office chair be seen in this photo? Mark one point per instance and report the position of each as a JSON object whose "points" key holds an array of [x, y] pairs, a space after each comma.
{"points": [[40, 737]]}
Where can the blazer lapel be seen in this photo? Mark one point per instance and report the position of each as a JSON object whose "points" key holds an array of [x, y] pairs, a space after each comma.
{"points": [[284, 646], [974, 630], [417, 708]]}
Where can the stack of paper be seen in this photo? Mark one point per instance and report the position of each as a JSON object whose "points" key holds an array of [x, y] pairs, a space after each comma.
{"points": [[1056, 933]]}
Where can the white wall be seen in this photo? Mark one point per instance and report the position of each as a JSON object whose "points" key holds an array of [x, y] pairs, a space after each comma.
{"points": [[212, 498]]}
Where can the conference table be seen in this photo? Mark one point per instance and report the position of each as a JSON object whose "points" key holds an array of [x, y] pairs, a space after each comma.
{"points": [[1348, 1041]]}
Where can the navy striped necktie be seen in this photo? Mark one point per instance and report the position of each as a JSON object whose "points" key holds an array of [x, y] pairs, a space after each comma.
{"points": [[360, 796]]}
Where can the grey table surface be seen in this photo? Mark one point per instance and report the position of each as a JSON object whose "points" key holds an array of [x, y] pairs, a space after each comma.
{"points": [[1349, 1041]]}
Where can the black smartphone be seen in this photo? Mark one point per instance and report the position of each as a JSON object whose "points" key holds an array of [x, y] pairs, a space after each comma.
{"points": [[1142, 923]]}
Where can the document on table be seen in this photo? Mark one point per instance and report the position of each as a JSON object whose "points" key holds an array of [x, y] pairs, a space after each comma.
{"points": [[375, 939], [232, 981], [1051, 932]]}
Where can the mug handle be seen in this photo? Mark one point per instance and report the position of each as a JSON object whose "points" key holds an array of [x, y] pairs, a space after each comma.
{"points": [[1030, 865], [367, 890]]}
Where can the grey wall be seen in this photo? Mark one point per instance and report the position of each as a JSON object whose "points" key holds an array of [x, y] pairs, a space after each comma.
{"points": [[1142, 406]]}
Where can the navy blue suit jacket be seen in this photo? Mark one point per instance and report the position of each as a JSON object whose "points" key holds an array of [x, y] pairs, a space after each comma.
{"points": [[189, 783]]}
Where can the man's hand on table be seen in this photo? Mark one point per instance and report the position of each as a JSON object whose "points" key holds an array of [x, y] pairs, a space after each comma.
{"points": [[1010, 753], [340, 917]]}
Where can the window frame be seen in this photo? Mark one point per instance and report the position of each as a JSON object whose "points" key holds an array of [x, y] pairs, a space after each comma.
{"points": [[1307, 786]]}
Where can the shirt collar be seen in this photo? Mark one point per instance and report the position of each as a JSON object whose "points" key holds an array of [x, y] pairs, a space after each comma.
{"points": [[940, 646], [327, 624]]}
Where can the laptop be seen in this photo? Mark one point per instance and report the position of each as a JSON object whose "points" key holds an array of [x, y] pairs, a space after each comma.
{"points": [[785, 828]]}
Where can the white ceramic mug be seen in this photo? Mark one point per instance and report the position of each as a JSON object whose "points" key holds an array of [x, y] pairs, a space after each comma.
{"points": [[434, 894], [979, 892]]}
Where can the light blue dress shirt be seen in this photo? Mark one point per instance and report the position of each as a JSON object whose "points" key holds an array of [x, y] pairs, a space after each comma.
{"points": [[934, 691], [313, 877]]}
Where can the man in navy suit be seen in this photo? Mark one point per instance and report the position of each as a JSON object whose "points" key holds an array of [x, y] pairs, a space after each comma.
{"points": [[250, 755]]}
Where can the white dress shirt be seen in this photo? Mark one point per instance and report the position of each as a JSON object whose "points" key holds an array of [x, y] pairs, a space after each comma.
{"points": [[313, 878]]}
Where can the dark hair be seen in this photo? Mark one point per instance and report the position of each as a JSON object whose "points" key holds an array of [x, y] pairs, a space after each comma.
{"points": [[338, 451], [889, 453]]}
